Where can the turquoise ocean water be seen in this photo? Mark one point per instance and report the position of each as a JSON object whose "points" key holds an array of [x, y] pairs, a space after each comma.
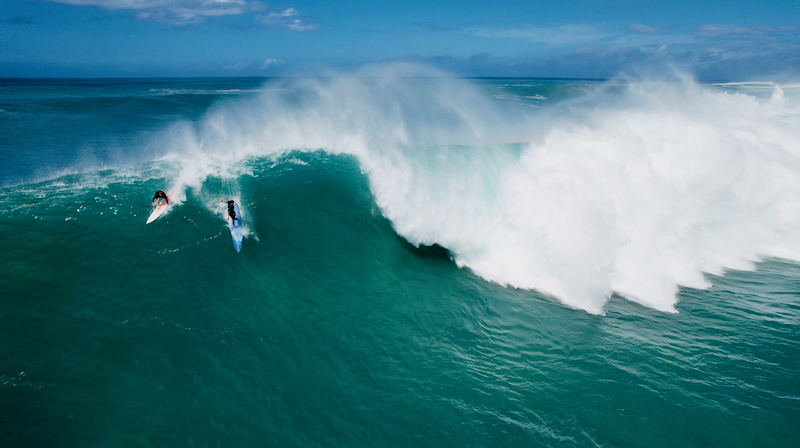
{"points": [[427, 262]]}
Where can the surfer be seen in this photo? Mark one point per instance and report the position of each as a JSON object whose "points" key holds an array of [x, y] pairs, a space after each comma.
{"points": [[159, 196], [231, 211], [236, 230]]}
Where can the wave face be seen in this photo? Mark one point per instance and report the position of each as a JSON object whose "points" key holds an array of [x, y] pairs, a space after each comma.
{"points": [[636, 189], [345, 321]]}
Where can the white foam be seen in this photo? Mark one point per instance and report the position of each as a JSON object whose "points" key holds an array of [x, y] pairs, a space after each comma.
{"points": [[635, 193], [636, 199]]}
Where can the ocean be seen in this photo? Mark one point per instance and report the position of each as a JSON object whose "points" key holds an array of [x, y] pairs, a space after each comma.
{"points": [[428, 261]]}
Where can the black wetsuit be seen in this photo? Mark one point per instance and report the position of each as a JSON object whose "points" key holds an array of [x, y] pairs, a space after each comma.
{"points": [[162, 195], [232, 215]]}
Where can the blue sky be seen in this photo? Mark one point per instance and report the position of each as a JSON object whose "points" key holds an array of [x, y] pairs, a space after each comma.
{"points": [[714, 39]]}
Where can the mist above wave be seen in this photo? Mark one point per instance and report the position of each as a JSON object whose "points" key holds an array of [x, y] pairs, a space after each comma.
{"points": [[634, 191]]}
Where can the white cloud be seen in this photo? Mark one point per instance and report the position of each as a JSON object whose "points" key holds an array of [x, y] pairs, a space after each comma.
{"points": [[174, 11], [269, 62], [289, 18], [566, 34]]}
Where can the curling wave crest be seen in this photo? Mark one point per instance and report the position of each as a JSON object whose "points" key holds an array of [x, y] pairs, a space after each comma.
{"points": [[635, 189]]}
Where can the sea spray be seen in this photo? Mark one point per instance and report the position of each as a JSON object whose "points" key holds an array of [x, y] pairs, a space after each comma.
{"points": [[638, 198], [635, 190]]}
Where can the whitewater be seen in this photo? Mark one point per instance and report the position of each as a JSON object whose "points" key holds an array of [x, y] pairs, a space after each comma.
{"points": [[635, 188]]}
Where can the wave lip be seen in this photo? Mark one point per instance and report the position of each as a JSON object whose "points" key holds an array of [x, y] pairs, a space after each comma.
{"points": [[635, 190], [638, 196]]}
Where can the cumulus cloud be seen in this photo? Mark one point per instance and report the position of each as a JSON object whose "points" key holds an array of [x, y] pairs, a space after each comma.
{"points": [[174, 11], [289, 18]]}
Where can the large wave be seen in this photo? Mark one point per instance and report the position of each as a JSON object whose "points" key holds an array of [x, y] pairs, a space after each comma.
{"points": [[635, 189]]}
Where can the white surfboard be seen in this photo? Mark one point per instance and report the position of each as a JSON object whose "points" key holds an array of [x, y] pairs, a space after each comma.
{"points": [[157, 212]]}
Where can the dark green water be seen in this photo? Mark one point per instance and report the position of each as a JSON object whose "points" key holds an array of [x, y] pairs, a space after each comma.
{"points": [[330, 329]]}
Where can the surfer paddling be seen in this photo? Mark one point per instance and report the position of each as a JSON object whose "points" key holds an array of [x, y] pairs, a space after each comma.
{"points": [[158, 197], [231, 212]]}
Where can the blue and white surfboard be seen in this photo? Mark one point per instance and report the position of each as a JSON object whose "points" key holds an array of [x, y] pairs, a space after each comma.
{"points": [[236, 232]]}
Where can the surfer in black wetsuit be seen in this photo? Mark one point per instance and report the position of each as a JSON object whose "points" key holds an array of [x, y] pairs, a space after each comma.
{"points": [[231, 211], [159, 196]]}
